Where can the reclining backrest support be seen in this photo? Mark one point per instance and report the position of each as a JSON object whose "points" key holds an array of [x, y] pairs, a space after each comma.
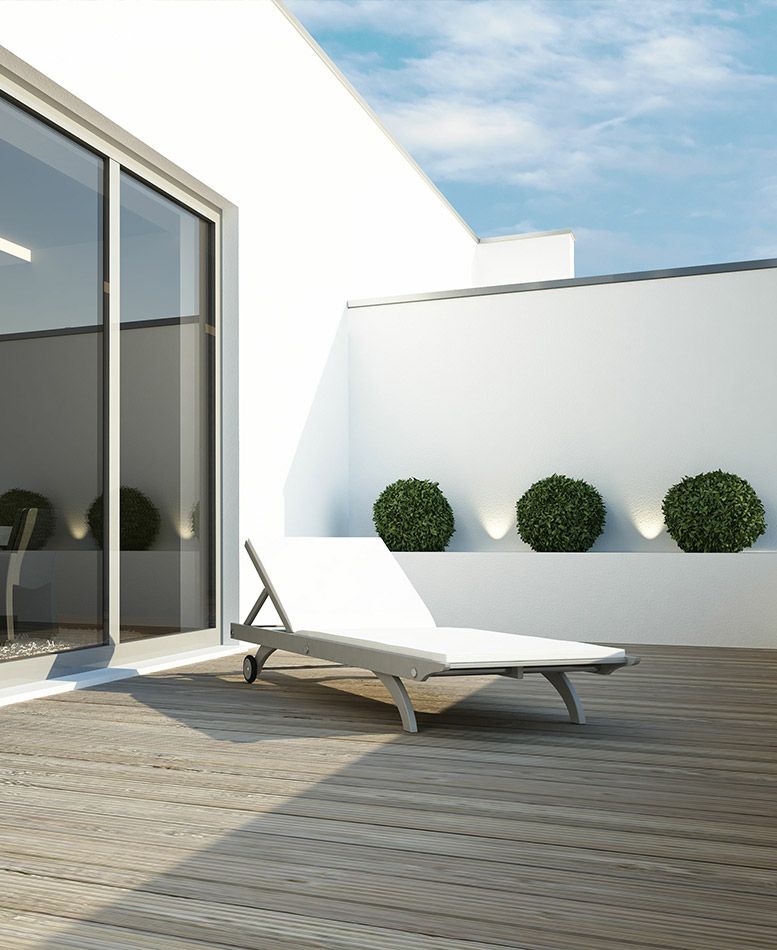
{"points": [[341, 584]]}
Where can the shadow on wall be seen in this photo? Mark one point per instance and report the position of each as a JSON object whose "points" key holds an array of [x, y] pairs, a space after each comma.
{"points": [[316, 490], [292, 815]]}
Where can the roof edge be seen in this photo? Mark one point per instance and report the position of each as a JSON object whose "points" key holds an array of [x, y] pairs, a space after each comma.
{"points": [[524, 235], [371, 113]]}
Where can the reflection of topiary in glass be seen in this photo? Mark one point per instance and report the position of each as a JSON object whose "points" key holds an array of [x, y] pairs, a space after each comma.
{"points": [[15, 500], [194, 520], [139, 519], [412, 514], [561, 514], [714, 511]]}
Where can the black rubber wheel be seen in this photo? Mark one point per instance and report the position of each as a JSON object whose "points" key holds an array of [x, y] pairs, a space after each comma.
{"points": [[250, 669]]}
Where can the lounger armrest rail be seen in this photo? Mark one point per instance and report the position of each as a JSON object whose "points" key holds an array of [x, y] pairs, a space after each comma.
{"points": [[407, 664], [603, 669], [404, 664], [628, 660]]}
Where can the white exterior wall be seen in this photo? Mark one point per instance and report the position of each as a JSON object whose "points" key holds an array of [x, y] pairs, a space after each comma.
{"points": [[630, 386], [521, 258], [329, 210]]}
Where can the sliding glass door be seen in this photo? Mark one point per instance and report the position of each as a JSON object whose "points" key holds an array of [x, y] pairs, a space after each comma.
{"points": [[107, 400], [51, 385], [167, 439]]}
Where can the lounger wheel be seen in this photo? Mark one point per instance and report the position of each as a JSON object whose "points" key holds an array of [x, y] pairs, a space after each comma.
{"points": [[250, 668]]}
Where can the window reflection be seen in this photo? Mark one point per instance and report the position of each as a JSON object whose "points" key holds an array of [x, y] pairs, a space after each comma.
{"points": [[51, 377], [167, 359]]}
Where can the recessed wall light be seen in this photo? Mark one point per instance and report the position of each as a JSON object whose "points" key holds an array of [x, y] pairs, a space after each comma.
{"points": [[497, 522], [649, 522], [16, 250]]}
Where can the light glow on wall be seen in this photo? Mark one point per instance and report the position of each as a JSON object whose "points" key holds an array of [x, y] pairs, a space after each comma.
{"points": [[77, 526], [497, 523], [649, 523], [183, 528]]}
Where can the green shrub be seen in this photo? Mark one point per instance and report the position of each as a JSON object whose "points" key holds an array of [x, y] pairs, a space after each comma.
{"points": [[15, 500], [714, 511], [561, 514], [139, 520], [412, 514]]}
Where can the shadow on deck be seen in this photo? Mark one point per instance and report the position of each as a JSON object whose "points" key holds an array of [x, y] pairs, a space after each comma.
{"points": [[187, 809]]}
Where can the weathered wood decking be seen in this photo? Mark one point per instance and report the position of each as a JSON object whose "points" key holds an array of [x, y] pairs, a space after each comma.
{"points": [[189, 810]]}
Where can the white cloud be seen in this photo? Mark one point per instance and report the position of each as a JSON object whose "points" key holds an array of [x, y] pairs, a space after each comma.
{"points": [[459, 139], [552, 96]]}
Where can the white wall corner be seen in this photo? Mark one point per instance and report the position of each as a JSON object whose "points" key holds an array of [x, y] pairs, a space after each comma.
{"points": [[524, 258]]}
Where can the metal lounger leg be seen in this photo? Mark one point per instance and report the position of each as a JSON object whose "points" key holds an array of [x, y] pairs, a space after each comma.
{"points": [[563, 686], [262, 655], [399, 694]]}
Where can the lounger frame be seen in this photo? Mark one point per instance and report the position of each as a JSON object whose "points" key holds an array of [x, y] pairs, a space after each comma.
{"points": [[391, 666]]}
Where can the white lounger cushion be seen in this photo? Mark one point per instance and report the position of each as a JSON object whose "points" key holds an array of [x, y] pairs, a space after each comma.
{"points": [[341, 584], [462, 647]]}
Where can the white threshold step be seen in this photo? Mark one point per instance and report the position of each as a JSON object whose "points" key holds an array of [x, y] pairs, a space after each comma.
{"points": [[64, 684]]}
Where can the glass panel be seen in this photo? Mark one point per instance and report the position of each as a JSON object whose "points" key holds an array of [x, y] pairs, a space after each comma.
{"points": [[51, 374], [167, 451]]}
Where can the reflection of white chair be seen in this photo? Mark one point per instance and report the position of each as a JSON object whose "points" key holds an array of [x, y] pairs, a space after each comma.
{"points": [[18, 544], [349, 601]]}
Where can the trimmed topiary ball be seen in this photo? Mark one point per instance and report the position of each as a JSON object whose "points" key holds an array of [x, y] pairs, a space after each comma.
{"points": [[714, 511], [15, 500], [561, 514], [139, 520], [412, 514]]}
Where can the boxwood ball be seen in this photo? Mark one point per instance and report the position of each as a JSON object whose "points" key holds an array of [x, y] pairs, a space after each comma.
{"points": [[139, 520], [15, 500], [714, 512], [412, 514], [559, 513]]}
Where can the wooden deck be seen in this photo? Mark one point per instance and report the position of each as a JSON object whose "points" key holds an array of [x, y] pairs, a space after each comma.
{"points": [[188, 810]]}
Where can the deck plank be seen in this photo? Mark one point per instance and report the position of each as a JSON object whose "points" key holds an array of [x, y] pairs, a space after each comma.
{"points": [[187, 809]]}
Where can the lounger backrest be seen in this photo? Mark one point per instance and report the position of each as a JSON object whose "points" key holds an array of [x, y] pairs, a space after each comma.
{"points": [[341, 584]]}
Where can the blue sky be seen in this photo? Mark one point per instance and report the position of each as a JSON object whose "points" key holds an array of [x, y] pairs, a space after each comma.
{"points": [[647, 126]]}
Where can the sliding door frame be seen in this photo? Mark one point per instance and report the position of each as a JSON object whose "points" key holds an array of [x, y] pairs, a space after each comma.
{"points": [[121, 151], [112, 405]]}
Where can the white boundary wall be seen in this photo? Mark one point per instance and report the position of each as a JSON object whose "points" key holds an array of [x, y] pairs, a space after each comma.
{"points": [[629, 385]]}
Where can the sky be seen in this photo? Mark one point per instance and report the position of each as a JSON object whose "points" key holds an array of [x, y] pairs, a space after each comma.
{"points": [[649, 127]]}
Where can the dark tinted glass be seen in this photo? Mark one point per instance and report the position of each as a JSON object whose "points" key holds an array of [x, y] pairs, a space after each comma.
{"points": [[167, 451], [51, 383]]}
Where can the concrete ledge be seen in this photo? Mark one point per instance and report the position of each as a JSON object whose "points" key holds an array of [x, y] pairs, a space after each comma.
{"points": [[722, 600]]}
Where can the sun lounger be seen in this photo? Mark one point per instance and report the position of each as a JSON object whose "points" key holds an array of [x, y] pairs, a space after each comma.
{"points": [[347, 600]]}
